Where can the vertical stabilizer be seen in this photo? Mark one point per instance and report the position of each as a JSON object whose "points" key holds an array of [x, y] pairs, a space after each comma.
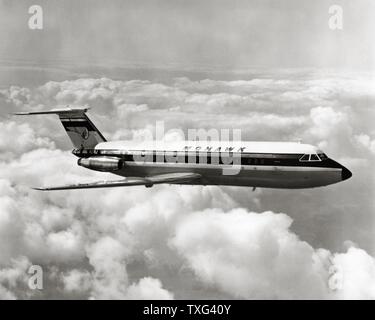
{"points": [[81, 131]]}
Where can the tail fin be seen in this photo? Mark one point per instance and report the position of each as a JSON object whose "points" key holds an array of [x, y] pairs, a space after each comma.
{"points": [[81, 131]]}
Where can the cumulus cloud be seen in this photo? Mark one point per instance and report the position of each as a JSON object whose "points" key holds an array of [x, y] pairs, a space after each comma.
{"points": [[356, 274], [149, 289], [365, 141], [254, 255], [16, 139], [13, 279], [77, 281], [107, 256], [135, 243]]}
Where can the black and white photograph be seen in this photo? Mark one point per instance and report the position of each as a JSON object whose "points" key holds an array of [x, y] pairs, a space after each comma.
{"points": [[187, 150]]}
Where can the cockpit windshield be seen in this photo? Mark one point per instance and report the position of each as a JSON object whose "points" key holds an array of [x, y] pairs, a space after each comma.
{"points": [[313, 157], [305, 157]]}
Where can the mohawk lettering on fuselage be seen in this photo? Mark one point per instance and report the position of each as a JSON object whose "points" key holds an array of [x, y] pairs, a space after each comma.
{"points": [[217, 149]]}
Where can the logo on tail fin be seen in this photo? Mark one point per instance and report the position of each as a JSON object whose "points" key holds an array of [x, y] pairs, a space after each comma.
{"points": [[85, 134], [81, 131]]}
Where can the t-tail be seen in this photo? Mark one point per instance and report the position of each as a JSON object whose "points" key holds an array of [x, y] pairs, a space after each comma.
{"points": [[81, 131]]}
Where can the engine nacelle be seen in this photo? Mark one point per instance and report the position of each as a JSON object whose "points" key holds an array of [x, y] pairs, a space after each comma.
{"points": [[101, 163]]}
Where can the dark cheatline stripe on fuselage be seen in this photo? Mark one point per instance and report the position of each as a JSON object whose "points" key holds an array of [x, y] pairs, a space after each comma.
{"points": [[251, 159], [69, 125]]}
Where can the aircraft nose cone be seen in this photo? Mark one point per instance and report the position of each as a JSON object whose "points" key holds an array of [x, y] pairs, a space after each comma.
{"points": [[345, 173]]}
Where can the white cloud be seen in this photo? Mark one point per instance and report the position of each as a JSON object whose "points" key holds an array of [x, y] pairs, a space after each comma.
{"points": [[148, 289], [107, 256], [77, 281], [365, 141], [110, 278], [67, 243], [14, 279], [252, 255], [16, 139], [356, 272]]}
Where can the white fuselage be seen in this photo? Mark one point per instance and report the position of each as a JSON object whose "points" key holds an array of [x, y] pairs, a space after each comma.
{"points": [[255, 164]]}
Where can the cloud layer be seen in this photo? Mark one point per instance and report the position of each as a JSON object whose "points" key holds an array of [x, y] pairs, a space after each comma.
{"points": [[182, 241]]}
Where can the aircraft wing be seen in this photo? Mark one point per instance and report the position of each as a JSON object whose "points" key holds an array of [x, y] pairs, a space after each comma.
{"points": [[171, 178]]}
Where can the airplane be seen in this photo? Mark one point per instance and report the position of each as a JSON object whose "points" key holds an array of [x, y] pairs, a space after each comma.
{"points": [[288, 165]]}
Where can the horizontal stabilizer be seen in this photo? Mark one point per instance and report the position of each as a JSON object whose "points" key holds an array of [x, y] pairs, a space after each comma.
{"points": [[65, 111], [171, 178], [78, 111]]}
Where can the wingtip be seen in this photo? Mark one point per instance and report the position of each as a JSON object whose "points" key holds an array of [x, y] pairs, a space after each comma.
{"points": [[39, 189]]}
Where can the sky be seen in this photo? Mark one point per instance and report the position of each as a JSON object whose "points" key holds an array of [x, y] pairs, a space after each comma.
{"points": [[277, 72], [211, 33]]}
